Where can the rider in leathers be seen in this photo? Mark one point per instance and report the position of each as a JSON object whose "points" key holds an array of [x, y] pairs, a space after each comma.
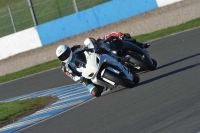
{"points": [[123, 36], [73, 60]]}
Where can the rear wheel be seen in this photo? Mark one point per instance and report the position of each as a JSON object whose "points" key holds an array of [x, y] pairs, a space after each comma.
{"points": [[118, 79]]}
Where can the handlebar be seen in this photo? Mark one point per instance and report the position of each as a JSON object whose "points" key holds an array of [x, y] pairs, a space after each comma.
{"points": [[97, 50], [89, 49]]}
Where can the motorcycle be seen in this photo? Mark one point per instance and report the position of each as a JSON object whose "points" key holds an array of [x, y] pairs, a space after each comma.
{"points": [[104, 70], [140, 60]]}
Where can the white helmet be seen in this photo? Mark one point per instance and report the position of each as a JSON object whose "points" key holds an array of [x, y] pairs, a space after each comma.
{"points": [[64, 53]]}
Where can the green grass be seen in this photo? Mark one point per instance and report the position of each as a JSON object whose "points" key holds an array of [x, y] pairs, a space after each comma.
{"points": [[12, 111], [20, 13], [4, 3], [45, 11], [142, 38], [171, 30]]}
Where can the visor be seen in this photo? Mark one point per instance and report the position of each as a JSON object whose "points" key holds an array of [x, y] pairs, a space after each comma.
{"points": [[65, 55]]}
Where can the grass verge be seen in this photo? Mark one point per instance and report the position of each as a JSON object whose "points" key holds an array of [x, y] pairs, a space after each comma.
{"points": [[12, 111], [168, 31]]}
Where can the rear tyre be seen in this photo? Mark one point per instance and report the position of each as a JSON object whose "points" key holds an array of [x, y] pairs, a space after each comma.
{"points": [[118, 79]]}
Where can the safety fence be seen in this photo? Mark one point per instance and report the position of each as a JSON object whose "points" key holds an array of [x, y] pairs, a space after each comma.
{"points": [[29, 13]]}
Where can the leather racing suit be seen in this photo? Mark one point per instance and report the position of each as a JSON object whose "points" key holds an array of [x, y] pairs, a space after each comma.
{"points": [[73, 70], [124, 36]]}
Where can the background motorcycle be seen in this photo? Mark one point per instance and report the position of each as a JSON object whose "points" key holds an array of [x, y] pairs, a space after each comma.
{"points": [[140, 60]]}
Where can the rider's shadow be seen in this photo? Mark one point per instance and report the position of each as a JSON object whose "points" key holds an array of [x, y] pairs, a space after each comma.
{"points": [[169, 64], [167, 74], [173, 72]]}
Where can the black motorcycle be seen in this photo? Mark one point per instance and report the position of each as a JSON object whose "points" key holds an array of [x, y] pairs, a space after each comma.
{"points": [[140, 60]]}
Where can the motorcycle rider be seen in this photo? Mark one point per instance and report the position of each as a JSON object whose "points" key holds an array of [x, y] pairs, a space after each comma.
{"points": [[123, 36], [72, 60]]}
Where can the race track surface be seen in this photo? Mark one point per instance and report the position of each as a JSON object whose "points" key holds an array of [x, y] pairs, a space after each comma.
{"points": [[166, 100]]}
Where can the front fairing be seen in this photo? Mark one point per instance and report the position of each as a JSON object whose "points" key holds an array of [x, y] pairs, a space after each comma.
{"points": [[92, 66], [104, 58]]}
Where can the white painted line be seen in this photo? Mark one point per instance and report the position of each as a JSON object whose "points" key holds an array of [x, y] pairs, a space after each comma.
{"points": [[58, 114], [66, 101]]}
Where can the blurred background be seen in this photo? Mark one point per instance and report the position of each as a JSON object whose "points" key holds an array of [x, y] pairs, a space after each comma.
{"points": [[23, 14]]}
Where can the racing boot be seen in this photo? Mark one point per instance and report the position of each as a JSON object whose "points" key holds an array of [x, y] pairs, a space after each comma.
{"points": [[95, 90], [145, 45], [141, 45], [127, 36]]}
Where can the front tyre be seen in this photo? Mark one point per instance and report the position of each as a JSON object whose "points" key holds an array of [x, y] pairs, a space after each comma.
{"points": [[136, 79], [155, 63], [142, 63], [116, 78]]}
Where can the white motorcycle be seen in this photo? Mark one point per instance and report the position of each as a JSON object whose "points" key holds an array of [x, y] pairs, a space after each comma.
{"points": [[104, 70]]}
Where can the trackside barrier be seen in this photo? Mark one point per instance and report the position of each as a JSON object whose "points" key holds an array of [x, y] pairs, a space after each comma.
{"points": [[19, 42], [92, 18], [74, 24], [161, 3]]}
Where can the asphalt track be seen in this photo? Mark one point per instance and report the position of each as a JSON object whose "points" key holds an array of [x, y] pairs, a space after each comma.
{"points": [[166, 100]]}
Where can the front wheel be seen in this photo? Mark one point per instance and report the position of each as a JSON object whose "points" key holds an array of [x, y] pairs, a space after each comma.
{"points": [[118, 79], [136, 79], [155, 63], [142, 63]]}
